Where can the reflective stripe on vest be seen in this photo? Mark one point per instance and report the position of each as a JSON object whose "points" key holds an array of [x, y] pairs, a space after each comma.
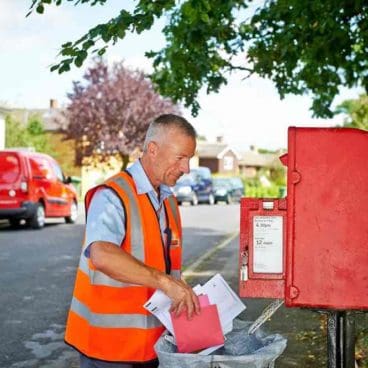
{"points": [[176, 274], [136, 224], [99, 278], [114, 320], [174, 209]]}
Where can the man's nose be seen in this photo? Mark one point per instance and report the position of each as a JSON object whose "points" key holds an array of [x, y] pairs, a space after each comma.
{"points": [[185, 166]]}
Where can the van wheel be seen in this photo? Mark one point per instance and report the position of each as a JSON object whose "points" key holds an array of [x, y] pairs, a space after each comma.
{"points": [[37, 221], [14, 223], [72, 218]]}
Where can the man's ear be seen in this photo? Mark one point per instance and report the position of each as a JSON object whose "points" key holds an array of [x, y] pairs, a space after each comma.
{"points": [[152, 148]]}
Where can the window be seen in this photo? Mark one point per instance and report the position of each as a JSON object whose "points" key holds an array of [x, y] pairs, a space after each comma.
{"points": [[41, 168], [9, 168], [57, 170], [228, 163]]}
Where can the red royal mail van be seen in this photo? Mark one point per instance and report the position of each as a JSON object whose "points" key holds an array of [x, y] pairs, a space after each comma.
{"points": [[33, 187]]}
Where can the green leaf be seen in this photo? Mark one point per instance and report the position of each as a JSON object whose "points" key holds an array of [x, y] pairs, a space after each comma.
{"points": [[86, 45], [65, 67], [68, 51], [205, 18], [40, 9], [54, 67], [81, 56], [67, 44], [78, 62], [121, 32], [106, 36], [101, 51]]}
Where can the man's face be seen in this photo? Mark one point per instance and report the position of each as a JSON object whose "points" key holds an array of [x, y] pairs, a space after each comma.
{"points": [[172, 155]]}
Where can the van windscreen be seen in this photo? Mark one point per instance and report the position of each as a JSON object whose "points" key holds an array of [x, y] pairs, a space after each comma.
{"points": [[9, 168]]}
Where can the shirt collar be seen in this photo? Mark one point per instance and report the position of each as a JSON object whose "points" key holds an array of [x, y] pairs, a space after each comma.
{"points": [[143, 184]]}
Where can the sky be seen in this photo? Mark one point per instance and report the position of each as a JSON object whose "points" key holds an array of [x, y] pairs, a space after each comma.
{"points": [[245, 112]]}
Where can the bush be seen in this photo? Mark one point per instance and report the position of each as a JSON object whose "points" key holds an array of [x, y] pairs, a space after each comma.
{"points": [[258, 191], [254, 189]]}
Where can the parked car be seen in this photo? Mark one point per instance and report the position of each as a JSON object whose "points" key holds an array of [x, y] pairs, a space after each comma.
{"points": [[228, 190], [195, 187], [33, 187], [205, 192], [238, 188]]}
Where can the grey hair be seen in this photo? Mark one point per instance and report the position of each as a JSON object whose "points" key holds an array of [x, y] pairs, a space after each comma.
{"points": [[165, 122]]}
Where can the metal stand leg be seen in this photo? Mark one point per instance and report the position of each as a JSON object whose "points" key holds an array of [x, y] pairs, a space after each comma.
{"points": [[341, 339]]}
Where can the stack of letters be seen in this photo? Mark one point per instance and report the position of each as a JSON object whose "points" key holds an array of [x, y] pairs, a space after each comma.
{"points": [[219, 306]]}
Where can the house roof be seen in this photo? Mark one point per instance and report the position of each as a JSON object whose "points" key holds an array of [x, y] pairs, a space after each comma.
{"points": [[247, 158], [4, 110], [254, 158], [214, 150], [52, 118]]}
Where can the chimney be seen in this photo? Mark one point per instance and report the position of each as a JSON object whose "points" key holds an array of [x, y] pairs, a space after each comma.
{"points": [[53, 103], [220, 139], [253, 148]]}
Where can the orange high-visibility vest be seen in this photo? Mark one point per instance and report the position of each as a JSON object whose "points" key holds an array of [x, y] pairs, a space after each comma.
{"points": [[106, 319]]}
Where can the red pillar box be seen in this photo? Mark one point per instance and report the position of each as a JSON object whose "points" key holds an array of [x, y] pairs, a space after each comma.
{"points": [[327, 246], [262, 248]]}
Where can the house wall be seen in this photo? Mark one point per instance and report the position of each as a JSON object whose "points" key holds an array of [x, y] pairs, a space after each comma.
{"points": [[96, 173], [211, 163], [248, 171], [64, 153], [228, 164]]}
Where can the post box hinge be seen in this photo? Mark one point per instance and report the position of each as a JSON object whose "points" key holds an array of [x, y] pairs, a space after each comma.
{"points": [[295, 177], [244, 266], [293, 292]]}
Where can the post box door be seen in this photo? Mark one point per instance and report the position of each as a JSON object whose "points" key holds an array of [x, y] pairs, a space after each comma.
{"points": [[327, 248]]}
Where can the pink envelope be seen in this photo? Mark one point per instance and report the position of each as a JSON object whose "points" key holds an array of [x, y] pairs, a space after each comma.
{"points": [[202, 331], [203, 300]]}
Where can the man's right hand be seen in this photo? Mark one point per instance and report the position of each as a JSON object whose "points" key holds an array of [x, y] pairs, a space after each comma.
{"points": [[182, 296]]}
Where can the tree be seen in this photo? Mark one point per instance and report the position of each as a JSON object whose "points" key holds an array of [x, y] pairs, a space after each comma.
{"points": [[30, 135], [356, 112], [15, 133], [110, 110], [303, 46], [36, 135]]}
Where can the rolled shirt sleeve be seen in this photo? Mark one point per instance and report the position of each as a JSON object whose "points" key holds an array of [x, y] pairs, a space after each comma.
{"points": [[105, 219]]}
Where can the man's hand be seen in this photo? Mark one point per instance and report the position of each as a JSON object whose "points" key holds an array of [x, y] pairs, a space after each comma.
{"points": [[182, 296]]}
